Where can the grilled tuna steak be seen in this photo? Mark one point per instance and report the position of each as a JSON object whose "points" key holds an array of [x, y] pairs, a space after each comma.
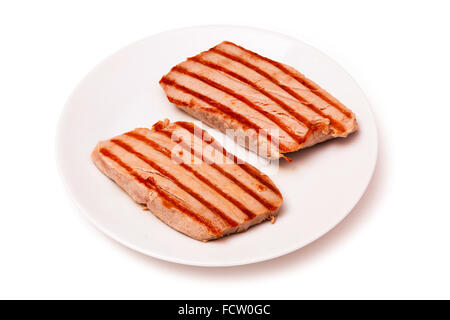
{"points": [[270, 107], [188, 180]]}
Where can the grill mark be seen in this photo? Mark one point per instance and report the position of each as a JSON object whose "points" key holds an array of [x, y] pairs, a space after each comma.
{"points": [[182, 186], [241, 185], [299, 139], [333, 121], [223, 108], [189, 105], [314, 88], [303, 120], [304, 81], [202, 178], [178, 102], [163, 194], [245, 166]]}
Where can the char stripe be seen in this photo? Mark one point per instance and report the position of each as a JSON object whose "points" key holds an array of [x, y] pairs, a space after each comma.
{"points": [[202, 178], [268, 115], [245, 166], [313, 88], [223, 108], [182, 186], [163, 194], [300, 118], [303, 80], [241, 185], [221, 171], [334, 122], [178, 102]]}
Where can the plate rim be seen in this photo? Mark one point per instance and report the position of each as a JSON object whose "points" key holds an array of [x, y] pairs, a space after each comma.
{"points": [[261, 258]]}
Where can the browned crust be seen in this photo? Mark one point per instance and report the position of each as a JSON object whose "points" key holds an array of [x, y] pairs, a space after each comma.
{"points": [[251, 170], [312, 86], [169, 208], [222, 109], [232, 179], [315, 133]]}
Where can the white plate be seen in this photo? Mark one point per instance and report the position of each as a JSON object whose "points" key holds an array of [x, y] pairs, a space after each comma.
{"points": [[320, 186]]}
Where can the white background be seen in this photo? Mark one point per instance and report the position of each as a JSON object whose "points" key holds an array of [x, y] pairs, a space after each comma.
{"points": [[395, 243]]}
